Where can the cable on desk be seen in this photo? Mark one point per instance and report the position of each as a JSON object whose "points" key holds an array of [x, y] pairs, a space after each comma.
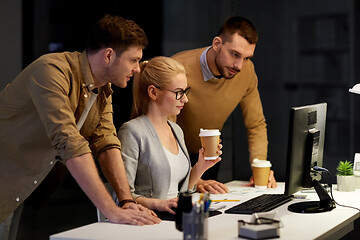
{"points": [[321, 169]]}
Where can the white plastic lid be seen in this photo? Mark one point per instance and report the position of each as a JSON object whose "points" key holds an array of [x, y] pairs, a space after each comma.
{"points": [[260, 163], [209, 132]]}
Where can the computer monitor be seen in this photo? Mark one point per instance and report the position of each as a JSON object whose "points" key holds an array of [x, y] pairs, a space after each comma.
{"points": [[305, 151]]}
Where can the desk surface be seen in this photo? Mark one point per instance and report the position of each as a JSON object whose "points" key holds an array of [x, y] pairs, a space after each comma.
{"points": [[328, 225]]}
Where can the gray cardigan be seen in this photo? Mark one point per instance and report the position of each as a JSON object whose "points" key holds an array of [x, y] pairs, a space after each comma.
{"points": [[145, 161]]}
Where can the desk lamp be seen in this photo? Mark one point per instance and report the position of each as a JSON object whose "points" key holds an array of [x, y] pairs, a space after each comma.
{"points": [[355, 89]]}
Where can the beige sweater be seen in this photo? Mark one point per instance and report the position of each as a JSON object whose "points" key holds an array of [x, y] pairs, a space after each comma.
{"points": [[212, 102]]}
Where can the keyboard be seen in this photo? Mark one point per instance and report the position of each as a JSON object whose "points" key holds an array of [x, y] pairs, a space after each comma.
{"points": [[262, 203]]}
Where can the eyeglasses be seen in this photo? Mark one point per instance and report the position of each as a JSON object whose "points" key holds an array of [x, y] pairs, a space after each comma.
{"points": [[178, 94], [261, 220]]}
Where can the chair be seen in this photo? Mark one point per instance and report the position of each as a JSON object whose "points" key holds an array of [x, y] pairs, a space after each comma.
{"points": [[100, 216]]}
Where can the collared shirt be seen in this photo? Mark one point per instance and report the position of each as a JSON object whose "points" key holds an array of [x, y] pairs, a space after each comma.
{"points": [[39, 111], [207, 74]]}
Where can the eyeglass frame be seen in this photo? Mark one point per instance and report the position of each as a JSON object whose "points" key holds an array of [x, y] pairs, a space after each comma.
{"points": [[260, 221], [183, 92]]}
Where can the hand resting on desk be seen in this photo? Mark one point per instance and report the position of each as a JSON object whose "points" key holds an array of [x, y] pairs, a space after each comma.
{"points": [[159, 204], [211, 186], [272, 182], [139, 207]]}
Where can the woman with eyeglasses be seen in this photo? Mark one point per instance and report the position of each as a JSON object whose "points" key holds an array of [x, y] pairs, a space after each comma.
{"points": [[153, 149]]}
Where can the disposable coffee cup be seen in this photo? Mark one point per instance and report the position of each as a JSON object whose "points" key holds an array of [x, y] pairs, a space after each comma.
{"points": [[261, 172], [210, 139]]}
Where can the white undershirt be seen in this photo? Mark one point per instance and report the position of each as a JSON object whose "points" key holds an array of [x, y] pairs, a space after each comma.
{"points": [[179, 166]]}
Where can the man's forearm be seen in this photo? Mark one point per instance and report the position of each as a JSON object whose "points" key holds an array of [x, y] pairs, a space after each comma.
{"points": [[112, 166], [85, 173]]}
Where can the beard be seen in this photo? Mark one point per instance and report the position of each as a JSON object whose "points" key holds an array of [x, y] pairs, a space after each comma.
{"points": [[224, 73]]}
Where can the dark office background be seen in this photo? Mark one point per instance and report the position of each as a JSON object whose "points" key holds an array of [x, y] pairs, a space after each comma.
{"points": [[307, 53]]}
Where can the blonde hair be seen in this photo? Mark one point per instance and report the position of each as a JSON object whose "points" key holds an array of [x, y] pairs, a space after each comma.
{"points": [[158, 72]]}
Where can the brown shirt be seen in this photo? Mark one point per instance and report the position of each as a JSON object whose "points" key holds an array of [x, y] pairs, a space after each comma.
{"points": [[212, 102], [38, 115]]}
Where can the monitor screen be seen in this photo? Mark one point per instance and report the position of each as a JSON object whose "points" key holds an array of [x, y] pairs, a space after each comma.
{"points": [[305, 151]]}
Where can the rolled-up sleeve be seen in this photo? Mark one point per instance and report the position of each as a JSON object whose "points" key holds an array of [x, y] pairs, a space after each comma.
{"points": [[49, 89]]}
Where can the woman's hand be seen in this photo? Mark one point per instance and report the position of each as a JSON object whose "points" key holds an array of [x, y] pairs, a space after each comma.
{"points": [[162, 205], [166, 205], [203, 164]]}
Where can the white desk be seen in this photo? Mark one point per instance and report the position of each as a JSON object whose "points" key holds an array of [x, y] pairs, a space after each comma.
{"points": [[328, 225]]}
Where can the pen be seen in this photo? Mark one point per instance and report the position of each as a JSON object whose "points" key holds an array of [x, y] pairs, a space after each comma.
{"points": [[201, 197], [226, 200], [206, 206]]}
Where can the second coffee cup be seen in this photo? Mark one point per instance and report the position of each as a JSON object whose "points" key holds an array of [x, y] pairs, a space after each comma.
{"points": [[261, 172], [210, 139]]}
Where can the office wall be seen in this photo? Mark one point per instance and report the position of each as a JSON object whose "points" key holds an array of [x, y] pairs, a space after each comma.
{"points": [[10, 40]]}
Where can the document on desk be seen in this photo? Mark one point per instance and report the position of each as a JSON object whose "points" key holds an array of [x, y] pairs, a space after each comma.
{"points": [[245, 190]]}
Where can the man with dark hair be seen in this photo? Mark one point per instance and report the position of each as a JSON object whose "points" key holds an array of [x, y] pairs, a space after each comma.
{"points": [[58, 109], [221, 77]]}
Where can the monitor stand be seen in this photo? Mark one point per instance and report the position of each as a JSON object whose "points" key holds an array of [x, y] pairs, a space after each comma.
{"points": [[324, 205]]}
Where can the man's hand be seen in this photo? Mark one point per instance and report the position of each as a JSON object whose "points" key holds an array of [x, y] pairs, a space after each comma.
{"points": [[211, 186], [271, 184], [133, 216], [90, 182], [139, 207]]}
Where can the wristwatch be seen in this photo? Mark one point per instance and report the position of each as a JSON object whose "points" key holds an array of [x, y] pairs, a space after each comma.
{"points": [[122, 202]]}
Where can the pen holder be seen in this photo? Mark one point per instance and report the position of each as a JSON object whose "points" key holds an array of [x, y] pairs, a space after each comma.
{"points": [[195, 225]]}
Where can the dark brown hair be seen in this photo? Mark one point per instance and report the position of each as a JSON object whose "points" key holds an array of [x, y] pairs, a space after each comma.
{"points": [[241, 26], [117, 33]]}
